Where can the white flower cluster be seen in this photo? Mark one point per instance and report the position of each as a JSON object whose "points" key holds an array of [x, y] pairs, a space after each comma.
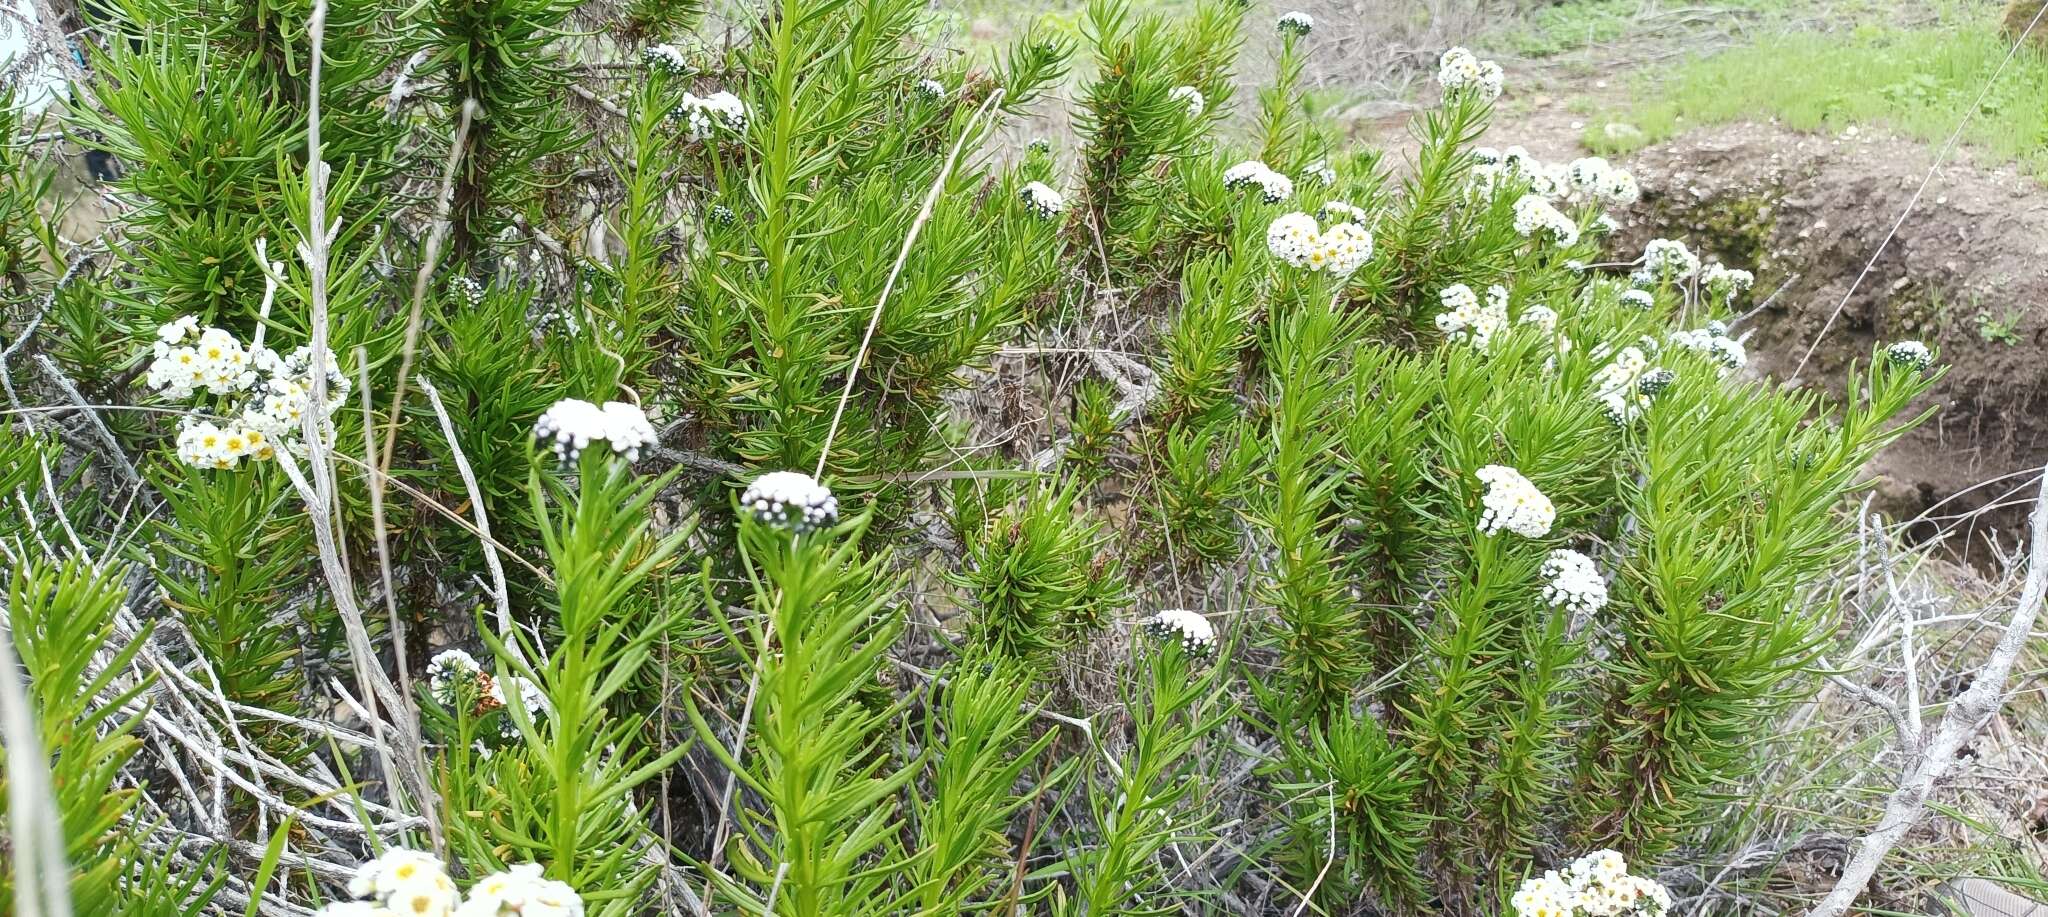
{"points": [[402, 881], [666, 58], [574, 424], [1273, 186], [1041, 199], [448, 671], [1340, 249], [931, 90], [1571, 581], [1725, 283], [1492, 168], [1320, 172], [1465, 319], [1535, 218], [1654, 382], [454, 676], [264, 395], [1297, 23], [521, 892], [1595, 180], [792, 500], [1459, 70], [1640, 300], [1194, 632], [1513, 504], [1545, 319], [469, 288], [1595, 885], [1192, 98], [1666, 261], [215, 362], [1713, 340], [706, 115], [1344, 211], [409, 883], [1588, 181], [1912, 355], [1617, 386]]}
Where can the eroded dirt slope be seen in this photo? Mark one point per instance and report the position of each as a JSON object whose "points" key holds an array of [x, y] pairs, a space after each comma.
{"points": [[1967, 272]]}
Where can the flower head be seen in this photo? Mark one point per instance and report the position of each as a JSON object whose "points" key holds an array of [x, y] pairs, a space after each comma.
{"points": [[1344, 211], [573, 424], [1042, 200], [1194, 632], [1191, 97], [1912, 355], [667, 59], [521, 892], [1459, 70], [1595, 885], [1543, 317], [1465, 319], [1594, 180], [1654, 382], [1297, 240], [931, 90], [1668, 261], [1513, 504], [447, 672], [407, 882], [1713, 340], [1536, 219], [1638, 299], [791, 500], [1273, 186], [1297, 23], [1572, 581], [708, 115], [1617, 386], [1725, 283]]}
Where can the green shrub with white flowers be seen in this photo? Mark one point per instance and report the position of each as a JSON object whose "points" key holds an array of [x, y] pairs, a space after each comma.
{"points": [[512, 457]]}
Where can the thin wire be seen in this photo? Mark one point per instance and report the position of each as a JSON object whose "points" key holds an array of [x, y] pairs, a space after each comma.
{"points": [[1932, 171]]}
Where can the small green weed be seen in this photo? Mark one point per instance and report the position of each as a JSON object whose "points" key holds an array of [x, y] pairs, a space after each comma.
{"points": [[1914, 81], [2000, 330]]}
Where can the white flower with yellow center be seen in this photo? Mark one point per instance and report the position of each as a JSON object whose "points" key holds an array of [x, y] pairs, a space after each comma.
{"points": [[1513, 504]]}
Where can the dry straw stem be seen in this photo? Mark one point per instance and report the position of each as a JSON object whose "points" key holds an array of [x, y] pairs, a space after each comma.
{"points": [[405, 766], [1984, 698], [501, 595]]}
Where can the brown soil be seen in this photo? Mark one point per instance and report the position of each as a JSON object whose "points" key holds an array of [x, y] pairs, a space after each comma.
{"points": [[1967, 272]]}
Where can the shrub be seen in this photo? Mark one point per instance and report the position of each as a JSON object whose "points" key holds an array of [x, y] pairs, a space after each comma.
{"points": [[534, 470]]}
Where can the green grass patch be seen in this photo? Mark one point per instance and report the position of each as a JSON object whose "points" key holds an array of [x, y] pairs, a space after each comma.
{"points": [[1918, 82]]}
